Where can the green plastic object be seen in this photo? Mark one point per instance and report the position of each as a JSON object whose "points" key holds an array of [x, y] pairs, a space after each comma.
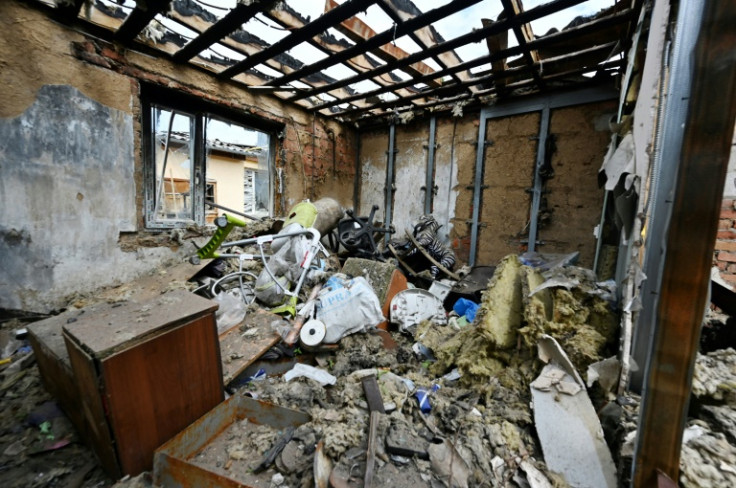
{"points": [[225, 223], [303, 213]]}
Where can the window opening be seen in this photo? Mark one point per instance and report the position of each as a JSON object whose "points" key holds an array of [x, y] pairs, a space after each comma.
{"points": [[200, 158]]}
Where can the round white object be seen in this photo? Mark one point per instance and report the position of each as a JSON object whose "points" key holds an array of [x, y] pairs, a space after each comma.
{"points": [[313, 332]]}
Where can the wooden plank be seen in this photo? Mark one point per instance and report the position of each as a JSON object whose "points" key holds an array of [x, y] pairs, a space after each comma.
{"points": [[139, 18], [428, 36], [358, 31], [158, 387], [233, 41], [525, 28], [110, 328], [360, 62], [240, 348], [497, 44], [98, 434], [683, 295], [344, 11]]}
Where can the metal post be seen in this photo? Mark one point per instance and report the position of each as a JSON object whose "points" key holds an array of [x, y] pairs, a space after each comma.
{"points": [[389, 197], [429, 184], [537, 191], [478, 186]]}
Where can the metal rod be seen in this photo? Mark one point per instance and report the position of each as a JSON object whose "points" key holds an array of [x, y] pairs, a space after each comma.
{"points": [[478, 187], [166, 158], [389, 197], [537, 191], [429, 184], [213, 204]]}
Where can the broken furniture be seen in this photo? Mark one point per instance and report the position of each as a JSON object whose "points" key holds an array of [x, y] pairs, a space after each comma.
{"points": [[176, 461], [357, 234], [143, 372]]}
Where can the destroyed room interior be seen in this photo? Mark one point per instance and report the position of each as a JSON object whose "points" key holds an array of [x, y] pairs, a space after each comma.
{"points": [[367, 243]]}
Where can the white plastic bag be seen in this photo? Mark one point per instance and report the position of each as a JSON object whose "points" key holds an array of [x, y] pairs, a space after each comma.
{"points": [[230, 313], [347, 306]]}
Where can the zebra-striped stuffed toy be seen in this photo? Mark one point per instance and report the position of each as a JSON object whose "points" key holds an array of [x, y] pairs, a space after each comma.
{"points": [[425, 232]]}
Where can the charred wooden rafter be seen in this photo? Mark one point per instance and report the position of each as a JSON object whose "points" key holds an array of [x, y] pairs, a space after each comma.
{"points": [[380, 39], [543, 43], [520, 78], [344, 11], [402, 10], [139, 18], [523, 33], [224, 27]]}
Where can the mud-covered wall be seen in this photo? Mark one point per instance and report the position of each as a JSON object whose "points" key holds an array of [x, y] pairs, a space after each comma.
{"points": [[72, 252], [572, 199]]}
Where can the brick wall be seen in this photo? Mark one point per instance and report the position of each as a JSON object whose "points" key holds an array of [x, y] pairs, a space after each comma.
{"points": [[725, 250]]}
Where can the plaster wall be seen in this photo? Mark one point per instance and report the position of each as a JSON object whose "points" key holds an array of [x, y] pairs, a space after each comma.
{"points": [[88, 178]]}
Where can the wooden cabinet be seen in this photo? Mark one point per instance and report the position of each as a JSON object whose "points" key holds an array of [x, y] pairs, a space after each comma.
{"points": [[144, 372]]}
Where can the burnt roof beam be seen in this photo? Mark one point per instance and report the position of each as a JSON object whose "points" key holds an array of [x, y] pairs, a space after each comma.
{"points": [[540, 43], [474, 36], [583, 54], [236, 17], [381, 39], [322, 23], [139, 18], [514, 71], [523, 33], [392, 10]]}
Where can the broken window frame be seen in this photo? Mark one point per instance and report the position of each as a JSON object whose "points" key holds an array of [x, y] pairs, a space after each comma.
{"points": [[152, 98]]}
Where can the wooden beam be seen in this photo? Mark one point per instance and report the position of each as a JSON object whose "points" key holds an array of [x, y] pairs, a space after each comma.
{"points": [[524, 35], [497, 44], [703, 163], [327, 44], [236, 17], [344, 11], [426, 37], [139, 18], [358, 31], [254, 45], [383, 38], [474, 36]]}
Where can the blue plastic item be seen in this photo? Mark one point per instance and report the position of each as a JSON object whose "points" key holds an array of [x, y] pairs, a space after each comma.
{"points": [[464, 307]]}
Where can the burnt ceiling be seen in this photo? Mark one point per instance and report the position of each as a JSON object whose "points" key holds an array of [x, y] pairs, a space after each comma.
{"points": [[353, 73]]}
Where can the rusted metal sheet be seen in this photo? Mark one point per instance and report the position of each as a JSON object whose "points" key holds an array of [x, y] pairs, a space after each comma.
{"points": [[173, 465], [241, 345]]}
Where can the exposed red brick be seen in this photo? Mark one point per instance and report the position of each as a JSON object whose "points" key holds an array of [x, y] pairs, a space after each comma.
{"points": [[724, 224], [721, 265], [727, 256], [728, 203], [731, 268], [726, 234], [728, 213], [726, 246]]}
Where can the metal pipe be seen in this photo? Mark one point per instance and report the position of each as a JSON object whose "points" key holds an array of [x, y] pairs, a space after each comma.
{"points": [[213, 204], [478, 186], [389, 197], [537, 191], [166, 158], [429, 184]]}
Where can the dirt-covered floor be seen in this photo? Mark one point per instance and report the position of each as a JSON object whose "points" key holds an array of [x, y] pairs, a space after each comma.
{"points": [[475, 428]]}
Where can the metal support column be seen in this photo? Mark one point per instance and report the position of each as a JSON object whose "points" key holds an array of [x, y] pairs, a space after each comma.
{"points": [[429, 184], [389, 195], [478, 186], [537, 191]]}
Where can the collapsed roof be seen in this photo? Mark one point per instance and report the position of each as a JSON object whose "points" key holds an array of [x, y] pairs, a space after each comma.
{"points": [[337, 65]]}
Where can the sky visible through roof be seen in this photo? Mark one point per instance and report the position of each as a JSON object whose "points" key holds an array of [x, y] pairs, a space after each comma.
{"points": [[449, 28]]}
